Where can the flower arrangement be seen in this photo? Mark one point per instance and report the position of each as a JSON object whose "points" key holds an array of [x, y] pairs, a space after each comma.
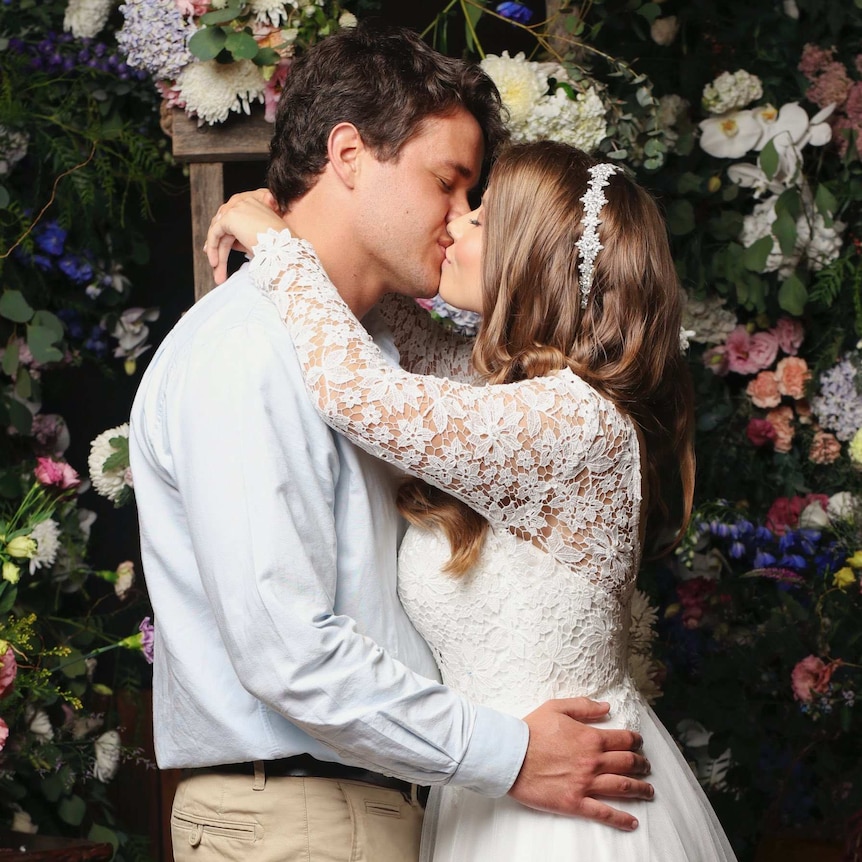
{"points": [[214, 57], [752, 148], [79, 151]]}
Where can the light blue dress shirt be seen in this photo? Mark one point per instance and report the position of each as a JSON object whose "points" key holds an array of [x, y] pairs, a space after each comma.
{"points": [[269, 546]]}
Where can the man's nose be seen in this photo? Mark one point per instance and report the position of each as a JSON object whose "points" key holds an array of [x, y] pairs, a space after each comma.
{"points": [[460, 206]]}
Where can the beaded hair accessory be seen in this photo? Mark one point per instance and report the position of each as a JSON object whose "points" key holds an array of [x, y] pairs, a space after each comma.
{"points": [[588, 245]]}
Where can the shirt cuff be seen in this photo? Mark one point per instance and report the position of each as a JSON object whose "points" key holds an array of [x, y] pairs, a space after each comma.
{"points": [[495, 753]]}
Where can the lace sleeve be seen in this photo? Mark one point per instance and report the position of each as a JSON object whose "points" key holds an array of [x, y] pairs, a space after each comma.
{"points": [[425, 346], [527, 455]]}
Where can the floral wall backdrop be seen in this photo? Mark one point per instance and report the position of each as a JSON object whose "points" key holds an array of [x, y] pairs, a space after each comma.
{"points": [[743, 118]]}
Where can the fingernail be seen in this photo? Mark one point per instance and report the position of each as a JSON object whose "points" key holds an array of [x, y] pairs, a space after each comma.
{"points": [[634, 825]]}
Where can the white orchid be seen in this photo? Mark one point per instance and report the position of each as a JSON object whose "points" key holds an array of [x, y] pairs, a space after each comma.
{"points": [[731, 135]]}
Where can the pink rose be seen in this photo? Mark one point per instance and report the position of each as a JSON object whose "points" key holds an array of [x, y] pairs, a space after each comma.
{"points": [[825, 448], [811, 676], [760, 432], [781, 419], [792, 374], [790, 335], [56, 474], [763, 390], [8, 671], [748, 354], [4, 734]]}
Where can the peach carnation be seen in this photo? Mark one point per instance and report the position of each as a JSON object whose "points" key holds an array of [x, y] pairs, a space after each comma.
{"points": [[825, 448], [781, 419], [791, 375], [764, 390]]}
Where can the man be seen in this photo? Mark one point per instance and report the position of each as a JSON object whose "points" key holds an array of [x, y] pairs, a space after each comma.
{"points": [[287, 678]]}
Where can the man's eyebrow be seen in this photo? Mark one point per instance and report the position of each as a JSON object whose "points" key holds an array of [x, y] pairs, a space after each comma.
{"points": [[465, 172]]}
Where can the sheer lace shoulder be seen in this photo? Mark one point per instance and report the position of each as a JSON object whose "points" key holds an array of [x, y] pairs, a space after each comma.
{"points": [[425, 346], [547, 459]]}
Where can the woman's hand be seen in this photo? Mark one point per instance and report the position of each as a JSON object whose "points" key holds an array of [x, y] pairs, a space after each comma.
{"points": [[236, 225]]}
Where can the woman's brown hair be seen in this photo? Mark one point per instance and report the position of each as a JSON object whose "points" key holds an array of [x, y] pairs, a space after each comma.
{"points": [[625, 343]]}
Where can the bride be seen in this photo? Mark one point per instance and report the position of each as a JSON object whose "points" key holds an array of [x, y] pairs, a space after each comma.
{"points": [[538, 485]]}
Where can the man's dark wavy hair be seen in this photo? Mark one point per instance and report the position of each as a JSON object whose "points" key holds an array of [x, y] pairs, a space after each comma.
{"points": [[387, 82]]}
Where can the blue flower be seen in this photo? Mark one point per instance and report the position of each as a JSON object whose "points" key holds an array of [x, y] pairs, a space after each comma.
{"points": [[763, 560], [77, 268], [517, 12], [792, 561], [51, 238], [737, 550]]}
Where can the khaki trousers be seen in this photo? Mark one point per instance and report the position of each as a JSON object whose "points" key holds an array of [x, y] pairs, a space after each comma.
{"points": [[229, 817]]}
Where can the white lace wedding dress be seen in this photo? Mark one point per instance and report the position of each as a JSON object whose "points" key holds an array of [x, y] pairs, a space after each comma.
{"points": [[555, 468]]}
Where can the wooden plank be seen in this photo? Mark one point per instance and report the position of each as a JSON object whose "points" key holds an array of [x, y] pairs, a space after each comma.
{"points": [[207, 193], [238, 139]]}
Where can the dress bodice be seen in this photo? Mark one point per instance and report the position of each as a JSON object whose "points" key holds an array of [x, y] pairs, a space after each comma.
{"points": [[519, 627]]}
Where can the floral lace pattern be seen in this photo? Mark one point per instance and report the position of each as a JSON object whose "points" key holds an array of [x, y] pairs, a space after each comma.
{"points": [[552, 465]]}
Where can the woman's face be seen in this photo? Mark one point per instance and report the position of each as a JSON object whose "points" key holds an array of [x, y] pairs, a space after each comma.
{"points": [[461, 274]]}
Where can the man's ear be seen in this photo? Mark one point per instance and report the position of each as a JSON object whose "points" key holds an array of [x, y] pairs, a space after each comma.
{"points": [[345, 148]]}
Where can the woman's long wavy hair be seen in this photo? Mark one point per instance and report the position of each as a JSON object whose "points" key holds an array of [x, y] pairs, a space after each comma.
{"points": [[625, 343]]}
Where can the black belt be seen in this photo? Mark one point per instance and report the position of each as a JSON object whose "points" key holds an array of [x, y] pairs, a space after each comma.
{"points": [[306, 766]]}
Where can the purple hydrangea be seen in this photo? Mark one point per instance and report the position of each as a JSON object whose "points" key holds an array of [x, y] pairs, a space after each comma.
{"points": [[155, 37], [838, 405]]}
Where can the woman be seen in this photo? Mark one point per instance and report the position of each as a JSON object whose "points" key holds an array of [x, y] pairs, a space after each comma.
{"points": [[535, 494]]}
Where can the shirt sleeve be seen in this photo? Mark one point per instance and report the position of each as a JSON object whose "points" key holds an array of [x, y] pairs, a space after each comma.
{"points": [[524, 454], [424, 345], [259, 510]]}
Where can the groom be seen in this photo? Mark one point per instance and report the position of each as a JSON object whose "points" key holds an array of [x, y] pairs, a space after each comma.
{"points": [[288, 680]]}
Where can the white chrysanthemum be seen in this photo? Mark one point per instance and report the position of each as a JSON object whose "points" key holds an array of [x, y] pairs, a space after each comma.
{"points": [[670, 109], [520, 82], [347, 20], [825, 244], [758, 224], [731, 91], [271, 11], [643, 671], [22, 822], [579, 122], [709, 319], [107, 750], [112, 483], [85, 18], [643, 619], [212, 90], [47, 536]]}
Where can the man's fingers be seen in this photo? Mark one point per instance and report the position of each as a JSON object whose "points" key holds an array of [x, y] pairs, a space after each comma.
{"points": [[621, 787], [623, 763], [621, 740], [582, 708], [603, 813]]}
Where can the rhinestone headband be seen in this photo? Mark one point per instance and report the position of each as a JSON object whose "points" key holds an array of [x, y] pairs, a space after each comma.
{"points": [[588, 245]]}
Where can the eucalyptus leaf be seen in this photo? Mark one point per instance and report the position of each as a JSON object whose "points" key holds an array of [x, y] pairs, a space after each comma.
{"points": [[24, 385], [10, 357], [792, 295], [102, 835], [789, 202], [42, 342], [4, 197], [20, 417], [825, 201], [680, 217], [769, 160], [220, 16], [650, 11], [53, 787], [14, 307], [207, 42], [242, 45], [8, 597], [756, 255], [49, 321], [687, 183], [71, 810], [784, 230], [266, 57]]}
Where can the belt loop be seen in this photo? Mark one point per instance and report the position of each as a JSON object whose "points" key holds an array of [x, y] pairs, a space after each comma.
{"points": [[259, 775], [414, 795]]}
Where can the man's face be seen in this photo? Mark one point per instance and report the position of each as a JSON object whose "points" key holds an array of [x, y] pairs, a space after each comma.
{"points": [[405, 204]]}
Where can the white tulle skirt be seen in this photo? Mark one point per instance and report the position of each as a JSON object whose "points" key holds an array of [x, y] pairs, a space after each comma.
{"points": [[678, 825]]}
